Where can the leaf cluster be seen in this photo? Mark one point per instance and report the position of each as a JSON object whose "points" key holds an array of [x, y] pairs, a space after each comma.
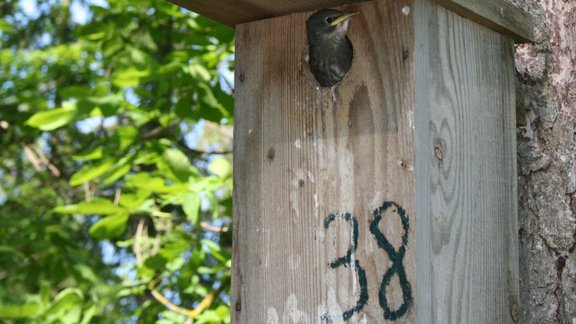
{"points": [[115, 167]]}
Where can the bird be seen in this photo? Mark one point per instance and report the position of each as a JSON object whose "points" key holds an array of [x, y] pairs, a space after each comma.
{"points": [[329, 49]]}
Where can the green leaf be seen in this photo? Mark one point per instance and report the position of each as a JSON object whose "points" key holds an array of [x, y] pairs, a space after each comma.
{"points": [[66, 307], [116, 174], [108, 105], [129, 77], [95, 31], [146, 182], [53, 119], [112, 45], [175, 264], [90, 171], [134, 200], [220, 167], [155, 262], [98, 206], [7, 249], [120, 168], [6, 27], [74, 91], [224, 98], [191, 206], [139, 58], [178, 164], [94, 153], [27, 310], [86, 272], [210, 316], [198, 71], [210, 108], [216, 250], [126, 135], [109, 227], [89, 314]]}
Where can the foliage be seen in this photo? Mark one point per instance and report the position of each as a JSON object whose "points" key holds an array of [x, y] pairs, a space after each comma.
{"points": [[112, 210]]}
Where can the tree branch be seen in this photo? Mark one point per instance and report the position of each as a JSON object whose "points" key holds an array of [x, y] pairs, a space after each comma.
{"points": [[191, 313], [213, 228]]}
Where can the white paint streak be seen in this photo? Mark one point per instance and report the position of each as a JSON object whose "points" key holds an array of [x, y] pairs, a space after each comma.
{"points": [[310, 176], [297, 143], [272, 316], [352, 265], [299, 175], [406, 10], [316, 205], [294, 262], [291, 312], [267, 238], [334, 307], [411, 119], [334, 99], [320, 235]]}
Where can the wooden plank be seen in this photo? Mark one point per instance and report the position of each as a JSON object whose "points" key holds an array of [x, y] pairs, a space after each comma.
{"points": [[233, 12], [312, 165], [497, 15], [466, 171]]}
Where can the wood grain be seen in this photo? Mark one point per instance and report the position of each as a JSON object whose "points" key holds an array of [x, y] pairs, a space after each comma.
{"points": [[425, 118], [304, 152], [233, 12], [466, 171], [497, 15]]}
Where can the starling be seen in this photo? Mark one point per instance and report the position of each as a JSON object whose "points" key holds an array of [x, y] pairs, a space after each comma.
{"points": [[330, 50]]}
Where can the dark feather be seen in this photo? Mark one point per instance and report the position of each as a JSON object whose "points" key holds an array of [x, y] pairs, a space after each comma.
{"points": [[330, 50]]}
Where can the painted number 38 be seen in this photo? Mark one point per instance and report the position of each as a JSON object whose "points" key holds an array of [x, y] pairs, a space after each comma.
{"points": [[396, 257]]}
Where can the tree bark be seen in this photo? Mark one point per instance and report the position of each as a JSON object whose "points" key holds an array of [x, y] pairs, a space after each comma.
{"points": [[546, 117]]}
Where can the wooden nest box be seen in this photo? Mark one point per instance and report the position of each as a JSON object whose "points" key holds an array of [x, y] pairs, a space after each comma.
{"points": [[390, 197]]}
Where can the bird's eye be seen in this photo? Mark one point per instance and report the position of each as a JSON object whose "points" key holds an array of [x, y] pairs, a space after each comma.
{"points": [[330, 19]]}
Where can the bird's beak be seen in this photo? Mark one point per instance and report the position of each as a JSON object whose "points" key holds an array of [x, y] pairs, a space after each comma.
{"points": [[342, 19]]}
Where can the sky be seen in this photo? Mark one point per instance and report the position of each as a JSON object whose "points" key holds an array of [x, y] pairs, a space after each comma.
{"points": [[79, 9]]}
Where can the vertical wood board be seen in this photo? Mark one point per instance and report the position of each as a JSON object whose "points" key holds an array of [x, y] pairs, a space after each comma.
{"points": [[312, 165], [498, 15], [466, 171]]}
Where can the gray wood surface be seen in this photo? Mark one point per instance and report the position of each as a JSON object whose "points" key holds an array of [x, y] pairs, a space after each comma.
{"points": [[467, 260], [302, 152], [233, 12], [495, 14], [425, 118]]}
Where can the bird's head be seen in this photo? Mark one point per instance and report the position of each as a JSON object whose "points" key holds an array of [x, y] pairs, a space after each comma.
{"points": [[328, 23]]}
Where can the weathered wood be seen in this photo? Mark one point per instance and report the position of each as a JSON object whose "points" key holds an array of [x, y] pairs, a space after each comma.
{"points": [[305, 157], [233, 12], [425, 119], [495, 14], [466, 216]]}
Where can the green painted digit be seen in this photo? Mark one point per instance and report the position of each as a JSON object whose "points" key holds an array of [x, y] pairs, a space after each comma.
{"points": [[396, 258], [347, 260]]}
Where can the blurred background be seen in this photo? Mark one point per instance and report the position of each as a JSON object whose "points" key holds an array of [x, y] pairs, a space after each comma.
{"points": [[115, 163]]}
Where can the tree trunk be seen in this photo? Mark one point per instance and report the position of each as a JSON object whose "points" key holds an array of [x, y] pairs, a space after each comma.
{"points": [[546, 116]]}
